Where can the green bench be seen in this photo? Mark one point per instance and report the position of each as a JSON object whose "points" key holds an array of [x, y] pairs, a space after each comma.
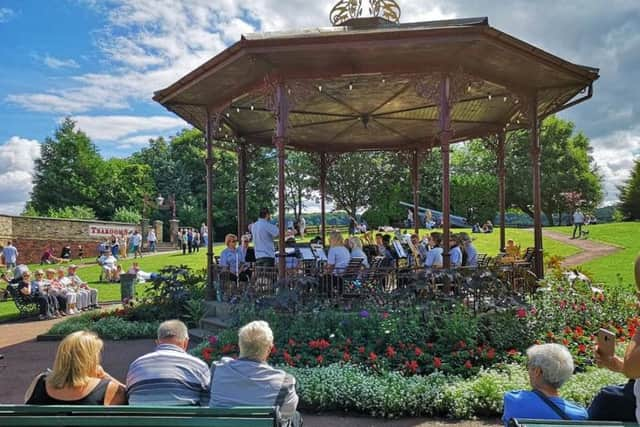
{"points": [[135, 416], [522, 422]]}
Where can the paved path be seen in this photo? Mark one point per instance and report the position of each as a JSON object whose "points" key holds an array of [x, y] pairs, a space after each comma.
{"points": [[24, 358], [590, 249]]}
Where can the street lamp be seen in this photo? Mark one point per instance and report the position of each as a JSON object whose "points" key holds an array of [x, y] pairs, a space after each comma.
{"points": [[169, 205]]}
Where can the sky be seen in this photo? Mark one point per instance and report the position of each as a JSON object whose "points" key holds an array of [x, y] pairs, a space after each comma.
{"points": [[99, 62]]}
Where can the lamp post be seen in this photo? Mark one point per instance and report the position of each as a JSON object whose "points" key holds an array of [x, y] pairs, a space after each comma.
{"points": [[169, 205]]}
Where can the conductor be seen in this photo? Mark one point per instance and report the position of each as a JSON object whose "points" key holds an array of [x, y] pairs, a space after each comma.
{"points": [[263, 234]]}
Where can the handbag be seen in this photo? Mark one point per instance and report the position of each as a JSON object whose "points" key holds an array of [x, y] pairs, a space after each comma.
{"points": [[552, 405]]}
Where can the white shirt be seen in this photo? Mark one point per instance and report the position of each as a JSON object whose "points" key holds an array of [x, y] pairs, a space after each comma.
{"points": [[151, 237], [578, 218]]}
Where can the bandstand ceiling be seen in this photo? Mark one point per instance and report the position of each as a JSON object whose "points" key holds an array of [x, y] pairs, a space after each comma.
{"points": [[371, 86]]}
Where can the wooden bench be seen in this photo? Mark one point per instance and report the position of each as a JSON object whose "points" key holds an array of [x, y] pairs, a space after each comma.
{"points": [[136, 416], [26, 307], [522, 422]]}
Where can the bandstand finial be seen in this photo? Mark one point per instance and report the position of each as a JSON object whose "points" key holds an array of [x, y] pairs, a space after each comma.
{"points": [[346, 10]]}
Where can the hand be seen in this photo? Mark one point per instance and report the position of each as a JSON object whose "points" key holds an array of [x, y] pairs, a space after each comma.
{"points": [[613, 363]]}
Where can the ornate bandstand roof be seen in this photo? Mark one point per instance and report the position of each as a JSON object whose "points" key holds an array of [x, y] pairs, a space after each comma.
{"points": [[373, 84]]}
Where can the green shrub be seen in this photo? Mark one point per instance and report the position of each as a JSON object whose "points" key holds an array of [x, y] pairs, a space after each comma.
{"points": [[108, 325], [123, 214]]}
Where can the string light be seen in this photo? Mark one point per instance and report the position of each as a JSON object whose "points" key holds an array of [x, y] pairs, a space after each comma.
{"points": [[228, 115], [469, 88], [219, 129], [237, 109], [504, 99], [350, 86], [252, 107], [319, 88], [517, 100], [489, 97], [384, 81]]}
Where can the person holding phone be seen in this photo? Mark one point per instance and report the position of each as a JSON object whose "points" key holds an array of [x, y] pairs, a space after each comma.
{"points": [[619, 402]]}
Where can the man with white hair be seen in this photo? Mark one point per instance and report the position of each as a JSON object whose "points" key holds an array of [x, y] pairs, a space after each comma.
{"points": [[549, 366], [169, 376], [250, 381]]}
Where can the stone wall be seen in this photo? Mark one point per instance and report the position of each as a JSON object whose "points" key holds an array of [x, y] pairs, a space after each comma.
{"points": [[32, 235]]}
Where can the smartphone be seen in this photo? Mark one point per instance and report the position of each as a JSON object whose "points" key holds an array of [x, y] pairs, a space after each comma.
{"points": [[606, 343]]}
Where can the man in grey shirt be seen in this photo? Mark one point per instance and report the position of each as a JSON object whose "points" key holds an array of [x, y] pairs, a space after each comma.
{"points": [[263, 234], [250, 381]]}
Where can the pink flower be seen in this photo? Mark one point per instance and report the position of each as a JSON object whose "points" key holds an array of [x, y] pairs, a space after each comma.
{"points": [[521, 313], [213, 340], [437, 362]]}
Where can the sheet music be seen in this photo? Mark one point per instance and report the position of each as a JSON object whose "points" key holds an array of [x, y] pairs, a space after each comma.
{"points": [[318, 250]]}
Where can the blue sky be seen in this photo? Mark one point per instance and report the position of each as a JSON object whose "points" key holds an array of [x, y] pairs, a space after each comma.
{"points": [[99, 61]]}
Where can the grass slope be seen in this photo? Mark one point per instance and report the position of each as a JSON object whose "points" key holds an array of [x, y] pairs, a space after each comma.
{"points": [[485, 243], [616, 268]]}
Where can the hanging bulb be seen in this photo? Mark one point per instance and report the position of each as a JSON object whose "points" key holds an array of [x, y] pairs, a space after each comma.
{"points": [[228, 115], [517, 100], [504, 99], [350, 86], [384, 81], [251, 107], [237, 109], [319, 88], [469, 88], [289, 91], [489, 97], [219, 129]]}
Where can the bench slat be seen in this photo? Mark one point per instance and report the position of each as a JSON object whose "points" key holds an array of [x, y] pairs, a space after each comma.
{"points": [[246, 411], [522, 422]]}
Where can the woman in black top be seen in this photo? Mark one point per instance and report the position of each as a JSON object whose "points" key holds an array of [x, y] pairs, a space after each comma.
{"points": [[29, 292], [77, 377]]}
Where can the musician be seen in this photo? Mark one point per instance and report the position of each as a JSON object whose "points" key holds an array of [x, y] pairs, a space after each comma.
{"points": [[434, 256], [263, 234], [380, 249], [356, 250], [292, 258], [339, 256], [455, 252], [232, 260], [389, 251], [420, 249], [470, 252]]}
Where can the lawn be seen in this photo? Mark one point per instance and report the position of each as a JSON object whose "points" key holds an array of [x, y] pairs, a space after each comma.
{"points": [[619, 266], [485, 243]]}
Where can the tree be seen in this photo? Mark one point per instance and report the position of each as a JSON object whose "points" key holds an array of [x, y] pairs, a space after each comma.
{"points": [[69, 171], [300, 180], [566, 166], [72, 212], [354, 178], [630, 194]]}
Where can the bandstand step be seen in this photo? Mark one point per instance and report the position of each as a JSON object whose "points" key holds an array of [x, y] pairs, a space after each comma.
{"points": [[213, 325]]}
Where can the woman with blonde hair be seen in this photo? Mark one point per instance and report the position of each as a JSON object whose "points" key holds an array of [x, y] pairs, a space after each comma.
{"points": [[77, 377], [338, 257], [356, 250]]}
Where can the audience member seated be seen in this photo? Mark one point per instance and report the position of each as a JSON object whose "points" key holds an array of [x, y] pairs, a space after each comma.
{"points": [[356, 250], [434, 256], [512, 250], [59, 289], [108, 263], [169, 376], [77, 377], [58, 302], [620, 402], [82, 295], [141, 276], [487, 227], [78, 283], [470, 254], [338, 257], [549, 366], [47, 257], [248, 253], [250, 381], [389, 252], [455, 252], [32, 292], [475, 228]]}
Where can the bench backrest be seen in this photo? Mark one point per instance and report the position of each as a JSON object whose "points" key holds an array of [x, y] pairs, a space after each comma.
{"points": [[115, 416]]}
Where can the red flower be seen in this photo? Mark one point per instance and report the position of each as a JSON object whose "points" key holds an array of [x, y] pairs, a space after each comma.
{"points": [[346, 356], [468, 364], [418, 352], [567, 330], [512, 352], [206, 353], [228, 348], [462, 344], [550, 334], [533, 311], [319, 358], [437, 362], [565, 342], [579, 331], [385, 315], [373, 357], [582, 348], [429, 345], [521, 313], [287, 358], [274, 350], [391, 352], [491, 353], [292, 342], [361, 350], [320, 344], [411, 366]]}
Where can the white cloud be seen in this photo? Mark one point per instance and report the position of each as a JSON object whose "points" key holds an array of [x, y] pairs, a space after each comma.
{"points": [[114, 128], [17, 157], [6, 14], [57, 63]]}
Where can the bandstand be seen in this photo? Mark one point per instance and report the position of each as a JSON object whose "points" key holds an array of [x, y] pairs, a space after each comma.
{"points": [[375, 84]]}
